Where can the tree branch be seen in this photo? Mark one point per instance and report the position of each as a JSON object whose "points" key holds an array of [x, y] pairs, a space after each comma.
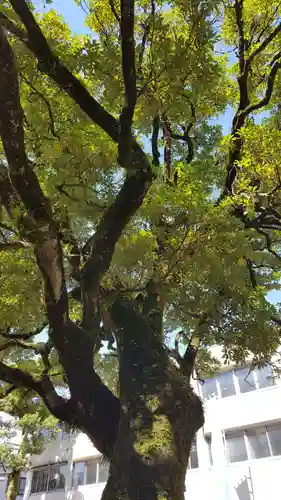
{"points": [[129, 72], [50, 64], [39, 224], [252, 273], [112, 224], [114, 11], [23, 336], [154, 141], [10, 26], [270, 85], [45, 100], [14, 245], [264, 44], [186, 131]]}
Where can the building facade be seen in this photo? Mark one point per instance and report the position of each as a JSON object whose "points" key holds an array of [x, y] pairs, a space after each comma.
{"points": [[236, 456]]}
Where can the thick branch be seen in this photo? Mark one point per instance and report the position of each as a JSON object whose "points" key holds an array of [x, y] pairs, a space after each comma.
{"points": [[39, 225], [113, 222], [128, 67], [23, 336], [50, 64]]}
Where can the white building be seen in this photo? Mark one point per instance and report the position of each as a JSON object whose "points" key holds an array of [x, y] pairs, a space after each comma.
{"points": [[237, 454]]}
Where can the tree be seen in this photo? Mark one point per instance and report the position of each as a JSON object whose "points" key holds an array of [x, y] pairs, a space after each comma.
{"points": [[117, 243]]}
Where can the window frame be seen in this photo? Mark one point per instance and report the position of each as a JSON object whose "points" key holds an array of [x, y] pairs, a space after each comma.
{"points": [[47, 468], [97, 461], [20, 489], [236, 384], [266, 428]]}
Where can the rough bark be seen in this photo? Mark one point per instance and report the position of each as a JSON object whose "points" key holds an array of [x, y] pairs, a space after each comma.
{"points": [[12, 484], [159, 416]]}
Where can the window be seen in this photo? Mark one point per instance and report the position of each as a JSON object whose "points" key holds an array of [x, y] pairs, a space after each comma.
{"points": [[236, 447], [274, 435], [22, 484], [56, 479], [246, 380], [254, 443], [46, 433], [226, 383], [90, 472], [193, 457], [258, 443], [47, 479], [103, 472], [78, 473], [209, 388]]}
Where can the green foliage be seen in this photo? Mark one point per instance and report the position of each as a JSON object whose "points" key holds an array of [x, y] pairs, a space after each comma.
{"points": [[203, 267]]}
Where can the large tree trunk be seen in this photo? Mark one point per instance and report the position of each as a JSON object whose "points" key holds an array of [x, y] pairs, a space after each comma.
{"points": [[160, 415], [13, 484]]}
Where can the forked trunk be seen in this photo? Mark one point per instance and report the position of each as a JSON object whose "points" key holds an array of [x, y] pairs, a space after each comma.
{"points": [[13, 484]]}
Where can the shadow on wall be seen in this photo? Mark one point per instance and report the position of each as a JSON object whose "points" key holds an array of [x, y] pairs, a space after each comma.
{"points": [[244, 489]]}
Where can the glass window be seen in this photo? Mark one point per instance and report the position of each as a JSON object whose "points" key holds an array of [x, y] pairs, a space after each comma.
{"points": [[91, 472], [236, 447], [246, 380], [226, 383], [40, 480], [258, 443], [56, 479], [103, 471], [264, 376], [193, 457], [78, 473], [22, 484], [209, 388], [274, 435]]}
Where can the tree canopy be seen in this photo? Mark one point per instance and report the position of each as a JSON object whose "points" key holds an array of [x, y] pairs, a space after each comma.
{"points": [[127, 216]]}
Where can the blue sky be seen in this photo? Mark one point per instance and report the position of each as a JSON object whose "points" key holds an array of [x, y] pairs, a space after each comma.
{"points": [[75, 17]]}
